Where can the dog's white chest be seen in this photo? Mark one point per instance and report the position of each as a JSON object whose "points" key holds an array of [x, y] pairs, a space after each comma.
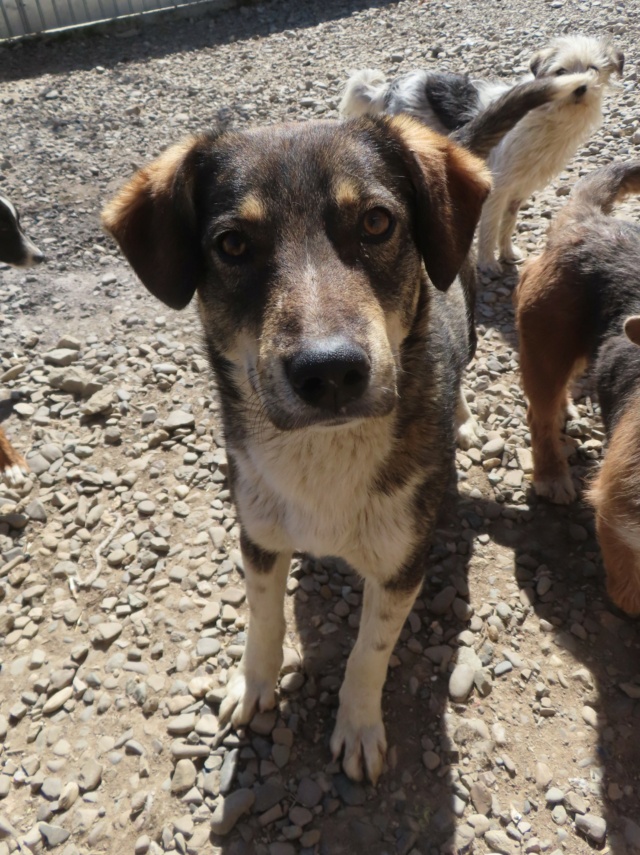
{"points": [[316, 492]]}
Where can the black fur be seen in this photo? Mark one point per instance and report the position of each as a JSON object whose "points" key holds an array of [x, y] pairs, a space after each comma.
{"points": [[453, 98]]}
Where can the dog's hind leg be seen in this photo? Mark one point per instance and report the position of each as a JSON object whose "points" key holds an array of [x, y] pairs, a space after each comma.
{"points": [[490, 222], [13, 467], [253, 685], [359, 729], [508, 251], [546, 368]]}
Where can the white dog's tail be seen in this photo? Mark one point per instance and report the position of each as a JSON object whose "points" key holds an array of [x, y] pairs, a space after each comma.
{"points": [[488, 128], [364, 94], [603, 187]]}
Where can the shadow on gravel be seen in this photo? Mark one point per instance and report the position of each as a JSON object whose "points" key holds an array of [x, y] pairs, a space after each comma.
{"points": [[555, 562], [146, 38], [558, 569]]}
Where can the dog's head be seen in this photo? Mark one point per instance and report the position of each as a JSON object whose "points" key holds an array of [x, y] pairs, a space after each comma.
{"points": [[15, 246], [307, 244], [578, 55]]}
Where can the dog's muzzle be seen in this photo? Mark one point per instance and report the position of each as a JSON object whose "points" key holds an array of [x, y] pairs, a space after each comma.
{"points": [[329, 374]]}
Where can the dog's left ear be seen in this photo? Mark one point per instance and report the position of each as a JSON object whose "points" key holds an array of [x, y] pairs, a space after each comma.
{"points": [[450, 185], [632, 329], [539, 57]]}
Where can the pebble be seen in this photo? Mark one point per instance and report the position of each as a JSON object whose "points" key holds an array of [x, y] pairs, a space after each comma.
{"points": [[230, 809], [461, 682], [595, 827], [90, 775], [184, 776]]}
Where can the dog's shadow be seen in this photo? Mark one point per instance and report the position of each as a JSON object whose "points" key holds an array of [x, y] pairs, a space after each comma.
{"points": [[588, 658]]}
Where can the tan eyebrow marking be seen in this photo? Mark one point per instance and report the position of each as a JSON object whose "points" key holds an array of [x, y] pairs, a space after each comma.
{"points": [[346, 193], [252, 208]]}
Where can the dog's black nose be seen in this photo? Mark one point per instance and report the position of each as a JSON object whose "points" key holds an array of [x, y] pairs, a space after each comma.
{"points": [[580, 91], [330, 373]]}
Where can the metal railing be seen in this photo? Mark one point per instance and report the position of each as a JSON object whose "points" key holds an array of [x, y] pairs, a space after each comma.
{"points": [[28, 17]]}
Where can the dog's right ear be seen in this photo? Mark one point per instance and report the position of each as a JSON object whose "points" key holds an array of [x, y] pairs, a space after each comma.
{"points": [[153, 219], [632, 329], [537, 60]]}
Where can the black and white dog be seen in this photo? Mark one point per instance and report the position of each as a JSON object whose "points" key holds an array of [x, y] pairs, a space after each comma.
{"points": [[15, 247], [537, 148]]}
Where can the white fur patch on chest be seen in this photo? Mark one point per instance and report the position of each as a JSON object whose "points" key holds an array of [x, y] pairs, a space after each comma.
{"points": [[314, 491]]}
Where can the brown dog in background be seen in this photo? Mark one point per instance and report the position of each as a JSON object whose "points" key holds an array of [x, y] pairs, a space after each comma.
{"points": [[579, 303]]}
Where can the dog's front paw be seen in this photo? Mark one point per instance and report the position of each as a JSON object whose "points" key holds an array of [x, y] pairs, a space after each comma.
{"points": [[512, 255], [360, 733], [559, 490], [246, 695], [15, 474], [468, 434]]}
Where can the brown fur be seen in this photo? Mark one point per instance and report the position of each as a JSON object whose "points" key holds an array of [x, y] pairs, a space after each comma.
{"points": [[8, 455], [615, 495]]}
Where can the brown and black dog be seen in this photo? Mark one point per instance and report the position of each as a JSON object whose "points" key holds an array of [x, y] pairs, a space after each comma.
{"points": [[579, 303], [325, 257], [15, 249], [336, 295]]}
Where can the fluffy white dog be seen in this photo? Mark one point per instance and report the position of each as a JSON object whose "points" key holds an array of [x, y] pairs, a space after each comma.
{"points": [[532, 154]]}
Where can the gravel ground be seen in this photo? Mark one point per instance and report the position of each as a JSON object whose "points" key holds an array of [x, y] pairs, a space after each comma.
{"points": [[513, 699]]}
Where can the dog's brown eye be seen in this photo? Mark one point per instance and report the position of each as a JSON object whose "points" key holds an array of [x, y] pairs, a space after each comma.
{"points": [[560, 72], [377, 223], [233, 244], [594, 68]]}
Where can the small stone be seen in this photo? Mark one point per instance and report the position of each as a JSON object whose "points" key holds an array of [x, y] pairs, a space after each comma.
{"points": [[182, 724], [595, 827], [184, 776], [431, 760], [90, 775], [207, 647], [179, 419], [229, 810], [554, 796], [107, 632], [51, 788], [58, 700], [461, 682], [309, 793], [543, 775], [559, 815], [207, 725], [499, 842], [53, 834], [69, 794]]}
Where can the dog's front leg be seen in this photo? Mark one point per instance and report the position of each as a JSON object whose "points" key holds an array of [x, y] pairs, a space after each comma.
{"points": [[13, 467], [359, 729], [253, 685]]}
